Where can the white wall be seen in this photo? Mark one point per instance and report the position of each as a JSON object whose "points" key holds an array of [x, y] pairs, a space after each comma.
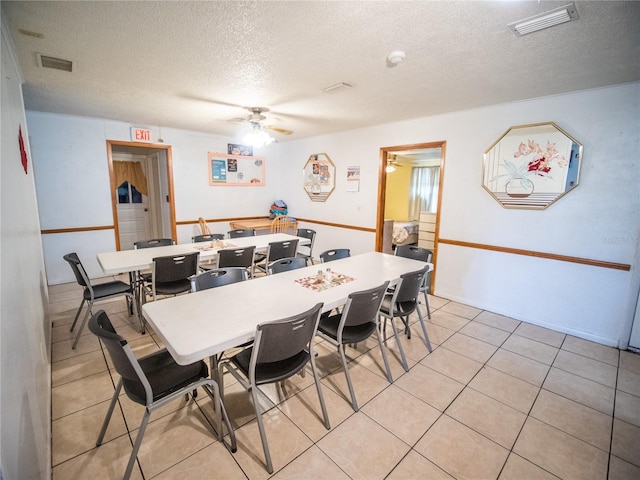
{"points": [[72, 180], [25, 331], [598, 220]]}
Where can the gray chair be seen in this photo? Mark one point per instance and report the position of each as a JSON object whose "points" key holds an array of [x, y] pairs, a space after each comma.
{"points": [[95, 293], [218, 277], [237, 257], [153, 381], [241, 232], [307, 250], [209, 237], [276, 251], [335, 254], [401, 302], [357, 322], [424, 255], [154, 242], [286, 264], [281, 349], [171, 274]]}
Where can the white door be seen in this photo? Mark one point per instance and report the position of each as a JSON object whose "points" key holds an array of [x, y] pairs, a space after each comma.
{"points": [[634, 341], [133, 215]]}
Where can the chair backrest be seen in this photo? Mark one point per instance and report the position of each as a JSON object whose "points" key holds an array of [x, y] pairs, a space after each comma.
{"points": [[362, 307], [416, 253], [283, 249], [204, 228], [218, 277], [236, 257], [307, 233], [208, 237], [286, 264], [101, 326], [285, 338], [241, 232], [154, 242], [171, 268], [78, 270], [283, 224], [409, 285], [335, 254]]}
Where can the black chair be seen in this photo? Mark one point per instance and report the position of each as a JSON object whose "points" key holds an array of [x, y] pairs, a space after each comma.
{"points": [[276, 251], [171, 274], [95, 293], [358, 321], [218, 278], [144, 278], [424, 255], [281, 349], [241, 232], [307, 250], [401, 302], [335, 254], [207, 237], [286, 264], [154, 242], [153, 381], [237, 257]]}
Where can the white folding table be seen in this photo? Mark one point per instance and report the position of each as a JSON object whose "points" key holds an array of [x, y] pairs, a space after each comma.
{"points": [[203, 324]]}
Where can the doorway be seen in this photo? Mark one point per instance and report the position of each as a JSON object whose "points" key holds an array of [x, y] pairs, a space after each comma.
{"points": [[393, 157], [141, 192]]}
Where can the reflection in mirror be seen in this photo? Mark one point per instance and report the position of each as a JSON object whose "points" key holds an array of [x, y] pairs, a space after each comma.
{"points": [[532, 166], [319, 177]]}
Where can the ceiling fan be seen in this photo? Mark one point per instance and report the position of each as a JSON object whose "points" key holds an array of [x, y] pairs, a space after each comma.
{"points": [[256, 120], [392, 164]]}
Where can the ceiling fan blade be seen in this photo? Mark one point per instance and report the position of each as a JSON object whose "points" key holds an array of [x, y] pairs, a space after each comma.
{"points": [[283, 131]]}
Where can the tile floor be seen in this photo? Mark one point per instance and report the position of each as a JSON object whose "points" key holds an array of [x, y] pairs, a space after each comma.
{"points": [[496, 399]]}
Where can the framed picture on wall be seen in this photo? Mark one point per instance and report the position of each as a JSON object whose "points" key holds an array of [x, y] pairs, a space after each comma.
{"points": [[236, 170], [237, 149]]}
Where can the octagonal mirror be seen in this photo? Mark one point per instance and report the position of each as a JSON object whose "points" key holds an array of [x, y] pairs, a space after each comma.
{"points": [[319, 177], [532, 166]]}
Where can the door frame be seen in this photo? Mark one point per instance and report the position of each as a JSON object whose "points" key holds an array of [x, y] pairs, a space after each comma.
{"points": [[382, 192], [112, 182]]}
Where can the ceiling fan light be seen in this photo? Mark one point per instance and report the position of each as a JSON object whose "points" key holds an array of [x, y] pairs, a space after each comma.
{"points": [[257, 138], [390, 168]]}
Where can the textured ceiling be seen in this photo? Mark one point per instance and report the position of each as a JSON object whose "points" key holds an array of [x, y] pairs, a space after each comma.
{"points": [[195, 65]]}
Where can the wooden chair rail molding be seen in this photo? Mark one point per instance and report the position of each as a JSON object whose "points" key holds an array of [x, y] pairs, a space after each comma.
{"points": [[76, 229], [531, 253], [317, 222]]}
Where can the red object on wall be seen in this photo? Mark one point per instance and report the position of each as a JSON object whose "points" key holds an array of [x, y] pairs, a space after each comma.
{"points": [[23, 151]]}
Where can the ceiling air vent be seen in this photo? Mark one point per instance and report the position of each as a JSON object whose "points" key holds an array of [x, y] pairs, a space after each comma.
{"points": [[544, 20], [45, 61]]}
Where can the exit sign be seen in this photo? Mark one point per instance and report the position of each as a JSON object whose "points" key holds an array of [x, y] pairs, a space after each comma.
{"points": [[140, 135]]}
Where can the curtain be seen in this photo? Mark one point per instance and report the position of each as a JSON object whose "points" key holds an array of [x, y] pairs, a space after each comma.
{"points": [[130, 172], [423, 191]]}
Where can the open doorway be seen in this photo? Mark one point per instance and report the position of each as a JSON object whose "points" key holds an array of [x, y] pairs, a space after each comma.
{"points": [[411, 200], [141, 192]]}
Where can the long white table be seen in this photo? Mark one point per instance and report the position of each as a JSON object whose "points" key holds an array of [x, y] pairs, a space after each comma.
{"points": [[126, 261], [199, 325]]}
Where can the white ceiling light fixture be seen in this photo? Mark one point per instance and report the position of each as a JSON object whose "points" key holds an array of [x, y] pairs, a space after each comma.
{"points": [[257, 137], [544, 20]]}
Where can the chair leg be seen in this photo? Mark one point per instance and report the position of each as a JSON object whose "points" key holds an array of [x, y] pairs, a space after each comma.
{"points": [[384, 355], [426, 302], [136, 445], [424, 331], [137, 313], [73, 325], [354, 403], [316, 378], [397, 337], [107, 419], [84, 321], [263, 435]]}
